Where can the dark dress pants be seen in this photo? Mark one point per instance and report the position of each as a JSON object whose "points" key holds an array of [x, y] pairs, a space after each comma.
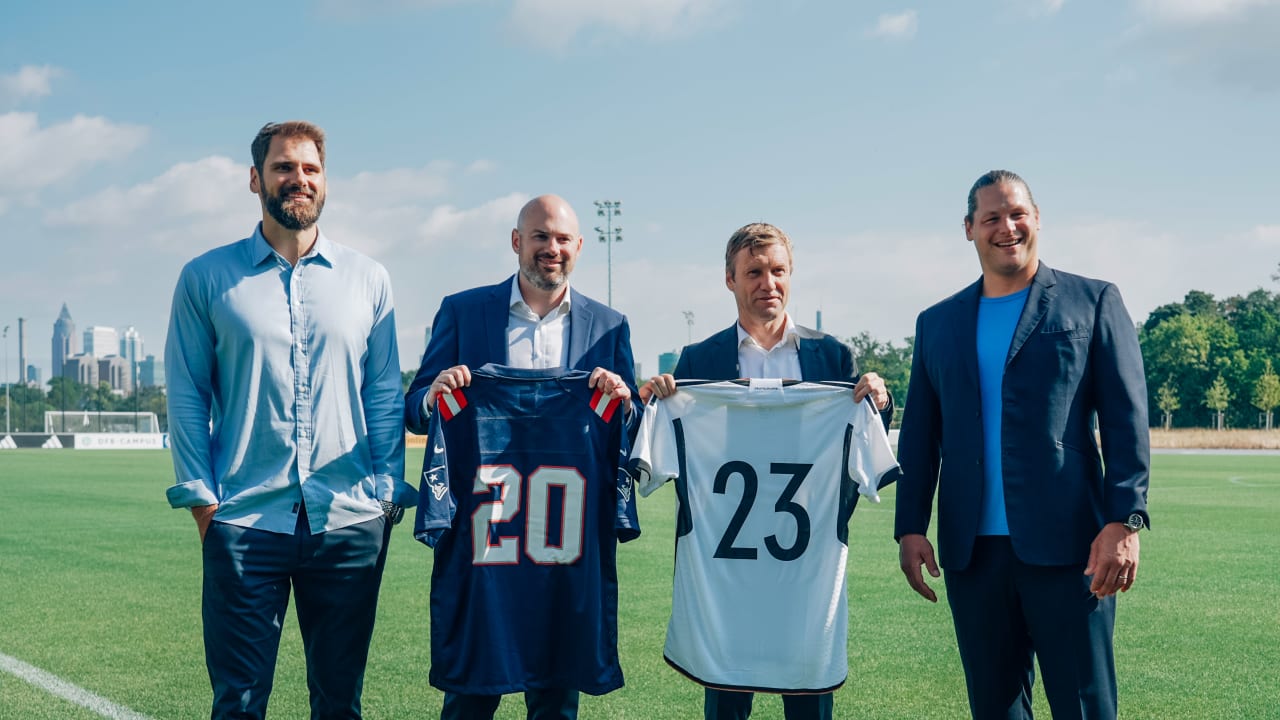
{"points": [[732, 705], [1009, 614], [248, 575], [554, 704]]}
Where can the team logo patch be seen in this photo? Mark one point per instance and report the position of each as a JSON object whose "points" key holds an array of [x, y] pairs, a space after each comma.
{"points": [[438, 488], [451, 403], [604, 405], [625, 483]]}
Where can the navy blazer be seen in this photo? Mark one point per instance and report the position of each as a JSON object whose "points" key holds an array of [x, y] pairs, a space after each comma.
{"points": [[1074, 353], [822, 358], [471, 329]]}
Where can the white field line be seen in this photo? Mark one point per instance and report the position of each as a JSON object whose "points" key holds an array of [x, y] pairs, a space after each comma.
{"points": [[55, 685]]}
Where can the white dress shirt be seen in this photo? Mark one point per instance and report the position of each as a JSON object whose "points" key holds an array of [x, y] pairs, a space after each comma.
{"points": [[780, 361], [537, 342]]}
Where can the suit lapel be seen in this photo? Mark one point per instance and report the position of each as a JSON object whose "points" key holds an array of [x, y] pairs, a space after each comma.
{"points": [[1038, 299], [966, 329], [811, 365], [497, 310], [726, 355], [581, 317]]}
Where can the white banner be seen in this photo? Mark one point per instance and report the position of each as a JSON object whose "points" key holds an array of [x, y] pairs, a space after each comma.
{"points": [[120, 441]]}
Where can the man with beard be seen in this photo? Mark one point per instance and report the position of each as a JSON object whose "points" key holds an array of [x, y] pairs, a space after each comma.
{"points": [[530, 320], [285, 425]]}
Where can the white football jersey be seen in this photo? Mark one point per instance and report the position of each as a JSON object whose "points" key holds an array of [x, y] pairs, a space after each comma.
{"points": [[766, 480]]}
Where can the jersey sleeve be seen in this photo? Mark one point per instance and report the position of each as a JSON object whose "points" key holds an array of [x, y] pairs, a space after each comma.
{"points": [[626, 521], [870, 456], [653, 458], [436, 504]]}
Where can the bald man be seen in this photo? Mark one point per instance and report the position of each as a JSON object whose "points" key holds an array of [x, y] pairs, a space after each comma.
{"points": [[530, 320]]}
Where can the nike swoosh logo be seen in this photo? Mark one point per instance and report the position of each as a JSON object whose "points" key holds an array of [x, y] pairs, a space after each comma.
{"points": [[439, 448]]}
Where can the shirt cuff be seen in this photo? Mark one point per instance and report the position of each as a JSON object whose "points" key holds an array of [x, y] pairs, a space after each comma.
{"points": [[193, 493]]}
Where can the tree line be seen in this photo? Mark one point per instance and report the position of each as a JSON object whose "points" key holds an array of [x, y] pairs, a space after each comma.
{"points": [[1208, 362], [28, 403]]}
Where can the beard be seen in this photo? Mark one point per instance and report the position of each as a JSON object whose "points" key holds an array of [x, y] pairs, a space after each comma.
{"points": [[545, 280], [293, 216]]}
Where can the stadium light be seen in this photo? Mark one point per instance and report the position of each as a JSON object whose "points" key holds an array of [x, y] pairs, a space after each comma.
{"points": [[609, 209], [688, 319]]}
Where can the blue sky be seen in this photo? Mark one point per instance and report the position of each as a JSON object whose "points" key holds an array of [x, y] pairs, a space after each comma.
{"points": [[1146, 129]]}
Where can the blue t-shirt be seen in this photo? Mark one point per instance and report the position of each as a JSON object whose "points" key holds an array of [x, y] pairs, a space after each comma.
{"points": [[523, 501], [997, 318]]}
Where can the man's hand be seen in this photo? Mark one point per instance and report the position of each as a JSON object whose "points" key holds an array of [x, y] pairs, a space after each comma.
{"points": [[203, 515], [449, 380], [663, 386], [1113, 560], [873, 385], [610, 383], [914, 551]]}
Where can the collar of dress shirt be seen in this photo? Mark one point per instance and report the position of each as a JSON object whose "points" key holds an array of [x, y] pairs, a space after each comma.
{"points": [[260, 249], [517, 300], [789, 336]]}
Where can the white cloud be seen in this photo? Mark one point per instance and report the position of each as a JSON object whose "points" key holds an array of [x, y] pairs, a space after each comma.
{"points": [[138, 236], [191, 193], [897, 27], [553, 23], [1194, 11], [1053, 6], [31, 81], [33, 157]]}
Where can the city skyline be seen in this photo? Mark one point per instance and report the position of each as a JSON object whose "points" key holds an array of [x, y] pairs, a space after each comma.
{"points": [[1144, 129]]}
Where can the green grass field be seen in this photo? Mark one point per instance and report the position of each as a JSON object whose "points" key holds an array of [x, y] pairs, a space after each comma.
{"points": [[100, 586]]}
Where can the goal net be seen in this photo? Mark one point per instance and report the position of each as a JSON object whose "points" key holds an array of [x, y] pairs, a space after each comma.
{"points": [[91, 421]]}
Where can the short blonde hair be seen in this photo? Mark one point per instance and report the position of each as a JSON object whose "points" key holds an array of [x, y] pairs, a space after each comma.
{"points": [[754, 236]]}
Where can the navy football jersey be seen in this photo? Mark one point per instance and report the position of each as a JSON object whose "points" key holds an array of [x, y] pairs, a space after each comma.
{"points": [[523, 501]]}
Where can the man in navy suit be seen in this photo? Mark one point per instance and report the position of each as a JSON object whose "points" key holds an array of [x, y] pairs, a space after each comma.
{"points": [[1036, 531], [766, 343], [531, 320]]}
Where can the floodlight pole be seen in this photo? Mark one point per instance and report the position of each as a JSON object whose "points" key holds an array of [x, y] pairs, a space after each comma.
{"points": [[8, 409], [608, 209], [688, 318]]}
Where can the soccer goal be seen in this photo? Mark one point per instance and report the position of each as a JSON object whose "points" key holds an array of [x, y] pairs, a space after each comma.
{"points": [[92, 421]]}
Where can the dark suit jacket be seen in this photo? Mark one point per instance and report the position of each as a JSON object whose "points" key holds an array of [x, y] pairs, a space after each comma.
{"points": [[471, 329], [822, 358], [1074, 353]]}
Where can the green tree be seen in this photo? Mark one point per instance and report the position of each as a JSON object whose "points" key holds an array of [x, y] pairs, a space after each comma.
{"points": [[1218, 398], [1167, 400], [889, 361], [1199, 302], [1266, 392], [406, 379]]}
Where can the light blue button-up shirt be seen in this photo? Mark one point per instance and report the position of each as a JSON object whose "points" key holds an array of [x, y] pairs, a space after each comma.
{"points": [[298, 370]]}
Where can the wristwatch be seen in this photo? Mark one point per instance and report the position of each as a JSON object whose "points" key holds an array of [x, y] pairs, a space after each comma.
{"points": [[394, 512], [1135, 522]]}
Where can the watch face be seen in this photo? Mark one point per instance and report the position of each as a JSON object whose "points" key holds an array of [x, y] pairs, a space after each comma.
{"points": [[1135, 522]]}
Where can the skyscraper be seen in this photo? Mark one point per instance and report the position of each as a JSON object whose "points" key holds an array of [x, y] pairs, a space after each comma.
{"points": [[101, 341], [131, 350], [151, 372], [65, 343]]}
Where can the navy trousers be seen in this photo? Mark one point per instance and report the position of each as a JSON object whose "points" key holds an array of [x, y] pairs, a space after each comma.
{"points": [[732, 705], [248, 575], [1009, 614], [557, 704]]}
